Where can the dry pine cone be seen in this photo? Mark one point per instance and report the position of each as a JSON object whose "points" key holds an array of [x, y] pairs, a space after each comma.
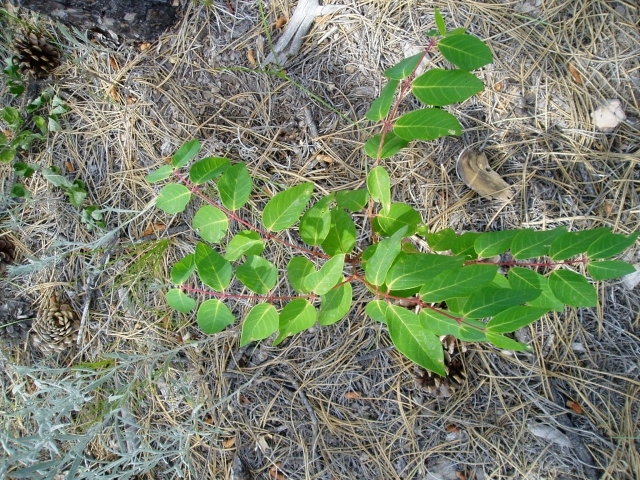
{"points": [[7, 252], [443, 386], [56, 327], [35, 54]]}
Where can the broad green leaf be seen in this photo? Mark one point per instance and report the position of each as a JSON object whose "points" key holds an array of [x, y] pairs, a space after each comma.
{"points": [[54, 177], [207, 169], [12, 118], [413, 340], [609, 245], [213, 269], [379, 186], [465, 245], [296, 316], [465, 51], [3, 139], [606, 269], [245, 242], [325, 279], [335, 304], [442, 240], [398, 216], [439, 87], [547, 299], [491, 301], [529, 243], [285, 208], [427, 124], [24, 139], [18, 191], [298, 269], [315, 223], [472, 331], [456, 31], [183, 269], [53, 124], [211, 223], [459, 282], [173, 198], [525, 279], [571, 244], [572, 289], [380, 262], [353, 200], [500, 281], [377, 310], [160, 174], [235, 186], [494, 243], [506, 343], [41, 123], [185, 153], [7, 154], [439, 323], [342, 234], [258, 274], [381, 105], [514, 318], [261, 322], [412, 270], [77, 193], [404, 68], [392, 145], [214, 316], [24, 170], [178, 300], [439, 21]]}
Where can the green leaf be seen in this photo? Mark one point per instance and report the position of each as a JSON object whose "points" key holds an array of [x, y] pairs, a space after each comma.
{"points": [[439, 87], [377, 310], [571, 244], [3, 139], [160, 174], [173, 198], [77, 193], [472, 331], [529, 243], [404, 68], [491, 301], [465, 245], [325, 279], [610, 244], [41, 123], [547, 299], [459, 282], [178, 300], [245, 242], [427, 124], [315, 223], [214, 316], [505, 342], [298, 269], [381, 105], [525, 279], [12, 118], [35, 105], [211, 223], [235, 186], [53, 124], [514, 318], [439, 21], [207, 169], [285, 208], [398, 216], [7, 154], [413, 340], [379, 186], [296, 316], [183, 269], [412, 270], [18, 191], [24, 170], [607, 269], [442, 240], [335, 304], [342, 234], [572, 289], [439, 323], [24, 138], [500, 281], [353, 200], [494, 243], [392, 145], [261, 322], [213, 269], [185, 153], [258, 274], [465, 51], [456, 31], [53, 176], [380, 262]]}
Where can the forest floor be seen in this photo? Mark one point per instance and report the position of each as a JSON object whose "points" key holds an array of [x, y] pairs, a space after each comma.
{"points": [[146, 395]]}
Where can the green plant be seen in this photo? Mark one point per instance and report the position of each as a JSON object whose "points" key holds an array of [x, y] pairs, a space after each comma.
{"points": [[463, 294]]}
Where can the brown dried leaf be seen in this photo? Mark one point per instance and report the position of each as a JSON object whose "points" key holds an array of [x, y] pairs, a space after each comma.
{"points": [[281, 22], [575, 74], [69, 166], [575, 407], [114, 64], [251, 56], [352, 395], [452, 429], [228, 443], [144, 46], [323, 157], [274, 473], [113, 93], [153, 228], [474, 170]]}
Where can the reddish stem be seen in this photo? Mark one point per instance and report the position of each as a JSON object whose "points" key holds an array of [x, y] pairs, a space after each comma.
{"points": [[266, 298]]}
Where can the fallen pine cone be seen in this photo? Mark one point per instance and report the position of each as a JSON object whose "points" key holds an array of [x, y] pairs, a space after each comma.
{"points": [[7, 252], [35, 54], [443, 386], [56, 327]]}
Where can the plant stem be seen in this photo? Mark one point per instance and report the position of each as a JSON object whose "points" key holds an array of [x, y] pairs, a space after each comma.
{"points": [[267, 298]]}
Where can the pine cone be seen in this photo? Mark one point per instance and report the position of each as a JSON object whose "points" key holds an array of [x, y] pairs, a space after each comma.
{"points": [[56, 327], [35, 54], [443, 386], [7, 252]]}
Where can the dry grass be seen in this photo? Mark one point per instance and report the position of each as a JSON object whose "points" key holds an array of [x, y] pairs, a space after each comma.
{"points": [[207, 409]]}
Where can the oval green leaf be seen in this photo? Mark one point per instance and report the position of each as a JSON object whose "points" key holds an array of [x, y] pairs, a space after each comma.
{"points": [[185, 153], [427, 124], [296, 316], [173, 198], [353, 200], [178, 300], [245, 242], [342, 234], [439, 87], [325, 279], [335, 304], [298, 269], [404, 68], [315, 223], [381, 105], [412, 270], [211, 223], [380, 262], [377, 310], [258, 274], [235, 186], [285, 208], [160, 174], [607, 269], [572, 289], [214, 316], [459, 282], [610, 244], [442, 240], [183, 269], [492, 300], [571, 244], [207, 169], [494, 243], [261, 322], [379, 186], [392, 145], [506, 343], [465, 51], [465, 245], [213, 269], [398, 216], [529, 243], [514, 318], [439, 323]]}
